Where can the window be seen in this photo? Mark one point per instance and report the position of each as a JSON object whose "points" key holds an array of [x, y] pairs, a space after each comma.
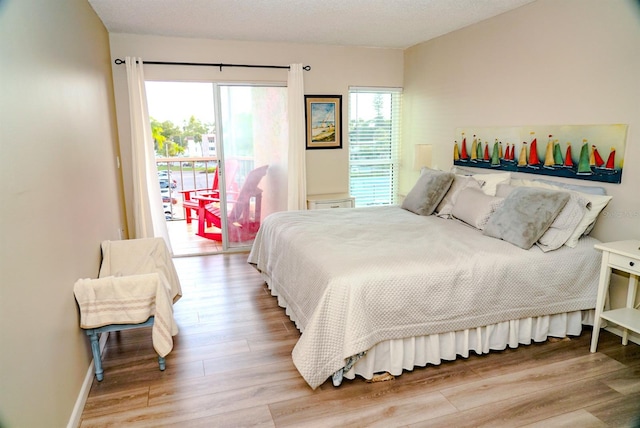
{"points": [[374, 144]]}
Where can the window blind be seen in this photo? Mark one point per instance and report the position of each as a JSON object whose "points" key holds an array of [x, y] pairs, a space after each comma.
{"points": [[374, 144]]}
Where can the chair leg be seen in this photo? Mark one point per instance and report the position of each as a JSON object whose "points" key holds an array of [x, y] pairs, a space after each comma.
{"points": [[161, 363], [95, 349]]}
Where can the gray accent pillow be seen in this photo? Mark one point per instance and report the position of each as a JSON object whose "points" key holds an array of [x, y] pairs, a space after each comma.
{"points": [[428, 191], [459, 182], [525, 215], [475, 207]]}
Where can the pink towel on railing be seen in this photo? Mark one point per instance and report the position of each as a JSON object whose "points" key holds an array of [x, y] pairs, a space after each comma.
{"points": [[129, 300]]}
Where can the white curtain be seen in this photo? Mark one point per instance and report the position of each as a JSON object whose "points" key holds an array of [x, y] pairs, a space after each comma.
{"points": [[297, 171], [149, 221]]}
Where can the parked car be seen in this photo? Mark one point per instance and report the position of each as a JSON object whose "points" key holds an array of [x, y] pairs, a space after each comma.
{"points": [[165, 183], [168, 215], [168, 196]]}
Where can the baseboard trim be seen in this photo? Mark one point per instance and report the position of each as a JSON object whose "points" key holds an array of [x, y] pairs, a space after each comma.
{"points": [[76, 415]]}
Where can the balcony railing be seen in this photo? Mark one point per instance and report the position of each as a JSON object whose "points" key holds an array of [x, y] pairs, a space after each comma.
{"points": [[182, 173]]}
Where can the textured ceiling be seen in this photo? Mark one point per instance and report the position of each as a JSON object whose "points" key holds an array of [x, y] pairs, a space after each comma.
{"points": [[370, 23]]}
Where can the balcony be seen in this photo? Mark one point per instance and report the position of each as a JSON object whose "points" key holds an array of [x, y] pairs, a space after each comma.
{"points": [[181, 173]]}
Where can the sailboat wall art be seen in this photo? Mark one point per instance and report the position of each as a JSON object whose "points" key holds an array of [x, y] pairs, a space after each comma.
{"points": [[584, 152]]}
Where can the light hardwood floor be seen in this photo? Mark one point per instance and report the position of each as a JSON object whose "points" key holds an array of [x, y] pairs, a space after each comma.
{"points": [[185, 242], [231, 366]]}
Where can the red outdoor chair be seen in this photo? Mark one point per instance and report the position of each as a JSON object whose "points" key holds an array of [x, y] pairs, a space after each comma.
{"points": [[189, 201], [243, 219]]}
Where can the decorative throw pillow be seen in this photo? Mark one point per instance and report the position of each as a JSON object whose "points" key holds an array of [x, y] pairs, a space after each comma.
{"points": [[564, 224], [474, 207], [459, 182], [596, 205], [525, 215], [428, 191]]}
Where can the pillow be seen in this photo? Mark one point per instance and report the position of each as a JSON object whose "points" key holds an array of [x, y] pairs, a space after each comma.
{"points": [[474, 207], [459, 182], [595, 206], [564, 224], [503, 190], [428, 191], [488, 181], [525, 215], [491, 181]]}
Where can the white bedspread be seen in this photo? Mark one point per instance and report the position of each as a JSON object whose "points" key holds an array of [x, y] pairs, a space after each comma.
{"points": [[350, 278]]}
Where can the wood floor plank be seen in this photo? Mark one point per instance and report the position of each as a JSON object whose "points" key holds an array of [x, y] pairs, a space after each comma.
{"points": [[622, 411], [111, 402], [400, 411], [529, 381], [530, 408], [352, 396], [133, 376], [625, 381], [527, 356], [221, 382], [580, 418], [245, 361], [204, 406], [255, 417]]}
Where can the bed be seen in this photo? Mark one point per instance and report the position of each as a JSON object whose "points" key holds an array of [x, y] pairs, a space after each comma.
{"points": [[385, 289]]}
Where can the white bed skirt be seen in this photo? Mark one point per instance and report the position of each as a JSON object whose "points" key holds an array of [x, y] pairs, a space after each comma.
{"points": [[394, 356]]}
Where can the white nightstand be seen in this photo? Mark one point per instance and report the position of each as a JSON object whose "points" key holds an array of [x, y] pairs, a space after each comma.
{"points": [[330, 200], [623, 256]]}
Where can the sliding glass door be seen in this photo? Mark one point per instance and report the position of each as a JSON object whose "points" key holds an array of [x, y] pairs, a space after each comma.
{"points": [[253, 145], [221, 152]]}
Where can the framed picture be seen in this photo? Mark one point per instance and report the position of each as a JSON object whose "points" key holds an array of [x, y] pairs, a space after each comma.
{"points": [[323, 115]]}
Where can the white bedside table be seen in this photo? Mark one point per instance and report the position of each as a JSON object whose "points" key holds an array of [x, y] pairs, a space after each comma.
{"points": [[330, 200], [623, 256]]}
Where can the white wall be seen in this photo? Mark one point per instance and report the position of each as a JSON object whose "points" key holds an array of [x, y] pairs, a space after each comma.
{"points": [[550, 62], [60, 199], [333, 70]]}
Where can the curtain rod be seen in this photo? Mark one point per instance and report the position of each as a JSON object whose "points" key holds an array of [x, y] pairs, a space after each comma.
{"points": [[119, 61]]}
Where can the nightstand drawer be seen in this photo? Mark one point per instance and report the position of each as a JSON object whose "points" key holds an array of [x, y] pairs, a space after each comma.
{"points": [[333, 204], [624, 263], [334, 200]]}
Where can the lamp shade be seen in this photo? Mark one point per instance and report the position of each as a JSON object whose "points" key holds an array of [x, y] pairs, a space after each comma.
{"points": [[422, 156]]}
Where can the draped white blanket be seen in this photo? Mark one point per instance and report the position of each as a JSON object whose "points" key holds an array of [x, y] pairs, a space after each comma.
{"points": [[129, 299], [137, 256], [351, 278]]}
